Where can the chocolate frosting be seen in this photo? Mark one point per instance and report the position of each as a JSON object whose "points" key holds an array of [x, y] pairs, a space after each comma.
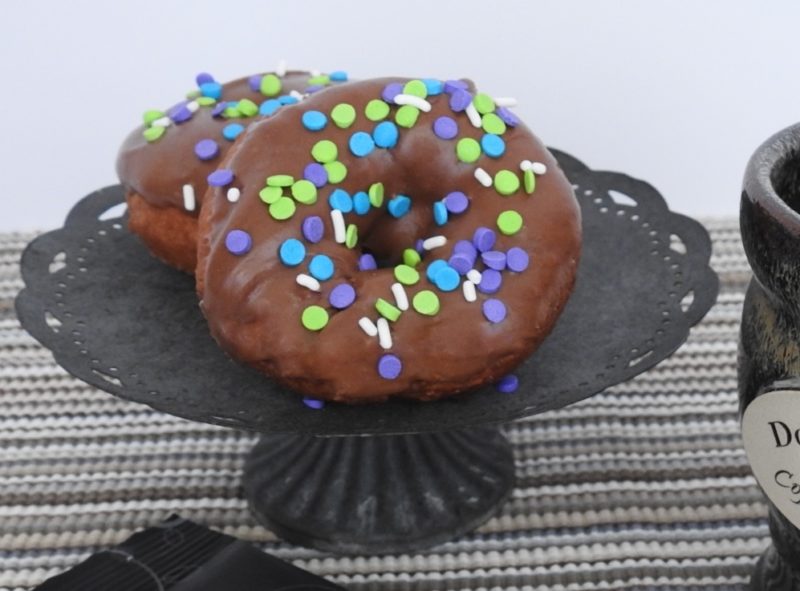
{"points": [[254, 305]]}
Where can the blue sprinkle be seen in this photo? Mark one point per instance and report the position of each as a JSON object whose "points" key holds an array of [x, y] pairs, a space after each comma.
{"points": [[233, 104], [211, 89], [338, 76], [434, 86], [385, 134], [287, 99], [321, 267], [361, 144], [361, 203], [341, 200], [440, 213], [269, 106], [314, 120], [232, 130], [434, 268], [399, 206], [493, 145], [292, 252], [447, 278]]}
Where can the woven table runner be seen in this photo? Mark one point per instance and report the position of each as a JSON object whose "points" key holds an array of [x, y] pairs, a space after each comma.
{"points": [[643, 486]]}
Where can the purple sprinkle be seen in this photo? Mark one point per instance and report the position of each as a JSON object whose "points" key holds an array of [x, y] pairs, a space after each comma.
{"points": [[484, 238], [203, 77], [316, 173], [389, 366], [366, 262], [445, 127], [179, 113], [238, 242], [342, 296], [460, 100], [218, 109], [491, 281], [313, 228], [507, 384], [314, 403], [494, 310], [461, 262], [206, 149], [466, 247], [391, 90], [418, 246], [507, 116], [255, 82], [517, 259], [450, 86], [456, 202], [314, 88], [220, 178], [494, 259]]}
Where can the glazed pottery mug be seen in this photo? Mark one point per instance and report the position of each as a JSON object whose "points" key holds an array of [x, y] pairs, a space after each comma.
{"points": [[769, 348]]}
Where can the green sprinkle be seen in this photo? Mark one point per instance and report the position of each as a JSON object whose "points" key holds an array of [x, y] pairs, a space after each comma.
{"points": [[509, 222], [324, 151], [351, 236], [426, 302], [405, 274], [343, 115], [321, 80], [376, 110], [304, 192], [468, 149], [314, 318], [529, 180], [231, 112], [406, 116], [282, 209], [411, 257], [152, 115], [247, 107], [387, 310], [416, 88], [493, 124], [270, 195], [483, 103], [206, 101], [280, 180], [337, 171], [376, 194], [193, 94], [151, 134], [506, 182], [270, 85]]}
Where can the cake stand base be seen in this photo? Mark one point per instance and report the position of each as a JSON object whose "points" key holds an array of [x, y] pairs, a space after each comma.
{"points": [[773, 573]]}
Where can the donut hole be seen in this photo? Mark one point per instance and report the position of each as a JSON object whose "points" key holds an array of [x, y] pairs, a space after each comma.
{"points": [[387, 237]]}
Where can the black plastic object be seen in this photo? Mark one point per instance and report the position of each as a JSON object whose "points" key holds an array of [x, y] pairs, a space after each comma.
{"points": [[122, 321]]}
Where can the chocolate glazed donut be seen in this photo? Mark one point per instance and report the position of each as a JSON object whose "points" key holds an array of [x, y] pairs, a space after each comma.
{"points": [[164, 167], [474, 229]]}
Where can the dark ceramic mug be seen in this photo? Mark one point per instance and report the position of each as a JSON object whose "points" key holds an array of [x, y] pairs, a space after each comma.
{"points": [[769, 348]]}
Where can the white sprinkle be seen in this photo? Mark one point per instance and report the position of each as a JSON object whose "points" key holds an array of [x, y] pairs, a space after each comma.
{"points": [[281, 69], [188, 198], [473, 115], [539, 168], [297, 94], [400, 296], [193, 106], [526, 165], [308, 281], [234, 194], [339, 230], [434, 242], [384, 336], [475, 276], [368, 326], [163, 122], [469, 291], [414, 101], [315, 73], [483, 177], [505, 101]]}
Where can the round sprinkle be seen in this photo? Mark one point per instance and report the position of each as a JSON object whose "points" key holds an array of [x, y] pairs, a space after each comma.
{"points": [[494, 259], [440, 213], [507, 116], [238, 242], [292, 252], [343, 115], [220, 178], [314, 120], [270, 195], [376, 194], [517, 259], [152, 115], [376, 110], [367, 262], [255, 82], [507, 384], [491, 281], [445, 127], [434, 268], [205, 101], [206, 149], [268, 107], [468, 150], [247, 107], [151, 134], [304, 192], [313, 403], [461, 262], [466, 247], [389, 366], [270, 85], [316, 173], [313, 228], [314, 318], [321, 267], [447, 279], [456, 202], [433, 86], [411, 257], [494, 310], [232, 130], [406, 116], [506, 182], [529, 180], [416, 88], [406, 274], [337, 171], [491, 123], [351, 236], [387, 310], [385, 134], [493, 145], [282, 209], [324, 151], [484, 239], [338, 76], [361, 204], [342, 296], [426, 302], [203, 77], [399, 206], [341, 200], [391, 90], [280, 180], [459, 100], [509, 222], [288, 99], [483, 103], [361, 144], [212, 89]]}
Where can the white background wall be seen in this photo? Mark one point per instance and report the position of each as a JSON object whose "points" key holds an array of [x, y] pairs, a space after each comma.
{"points": [[677, 93]]}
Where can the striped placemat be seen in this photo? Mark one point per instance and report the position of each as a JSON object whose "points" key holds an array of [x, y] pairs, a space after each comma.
{"points": [[643, 486]]}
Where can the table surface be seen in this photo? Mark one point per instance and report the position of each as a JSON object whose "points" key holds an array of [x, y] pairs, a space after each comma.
{"points": [[643, 486]]}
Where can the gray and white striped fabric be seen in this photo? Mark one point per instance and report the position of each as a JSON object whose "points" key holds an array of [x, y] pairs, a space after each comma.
{"points": [[643, 486]]}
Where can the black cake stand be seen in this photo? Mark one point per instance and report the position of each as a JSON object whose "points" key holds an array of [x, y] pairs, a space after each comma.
{"points": [[378, 478]]}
